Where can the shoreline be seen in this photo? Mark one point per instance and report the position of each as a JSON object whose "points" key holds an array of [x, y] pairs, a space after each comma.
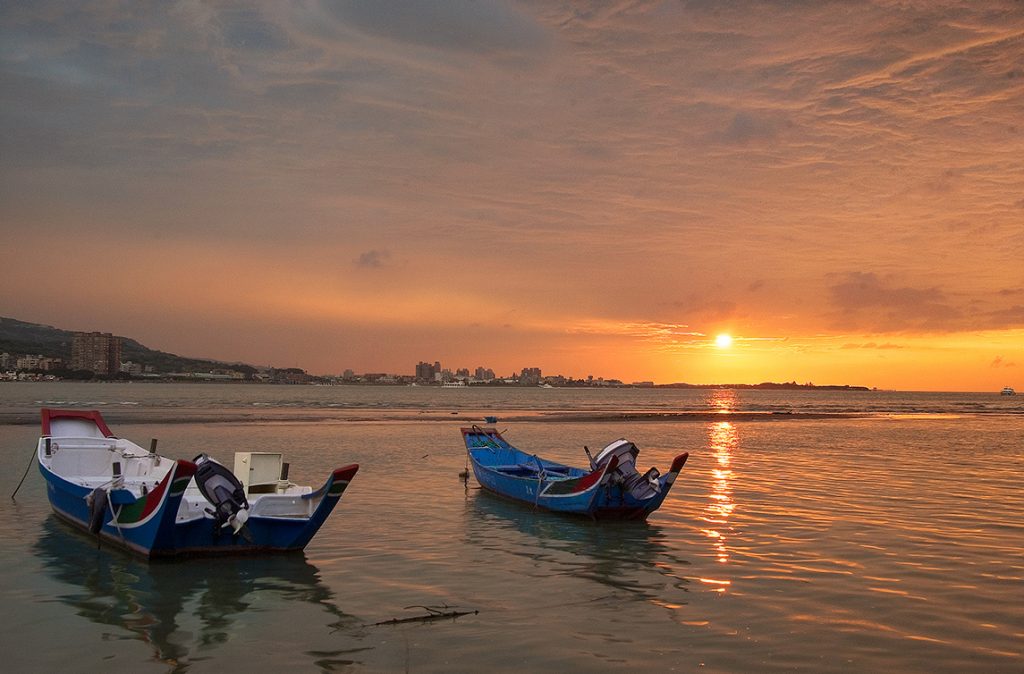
{"points": [[127, 417]]}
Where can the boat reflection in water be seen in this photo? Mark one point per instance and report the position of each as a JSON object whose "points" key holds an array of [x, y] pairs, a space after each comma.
{"points": [[723, 440], [176, 607], [633, 556]]}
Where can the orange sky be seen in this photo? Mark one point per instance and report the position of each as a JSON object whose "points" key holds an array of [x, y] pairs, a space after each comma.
{"points": [[587, 189]]}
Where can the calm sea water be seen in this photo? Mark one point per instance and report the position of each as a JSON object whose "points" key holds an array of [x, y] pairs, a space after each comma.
{"points": [[887, 536]]}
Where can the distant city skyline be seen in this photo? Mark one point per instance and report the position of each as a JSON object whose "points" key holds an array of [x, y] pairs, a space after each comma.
{"points": [[692, 191], [101, 354]]}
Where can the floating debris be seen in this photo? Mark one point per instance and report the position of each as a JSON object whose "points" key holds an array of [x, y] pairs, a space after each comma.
{"points": [[433, 613]]}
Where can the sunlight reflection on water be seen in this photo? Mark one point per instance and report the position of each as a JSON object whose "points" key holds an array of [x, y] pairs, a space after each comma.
{"points": [[723, 441]]}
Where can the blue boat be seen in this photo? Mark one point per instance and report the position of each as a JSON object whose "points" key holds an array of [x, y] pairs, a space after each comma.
{"points": [[611, 488], [155, 506]]}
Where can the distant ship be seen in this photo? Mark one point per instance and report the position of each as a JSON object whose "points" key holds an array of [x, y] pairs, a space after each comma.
{"points": [[1007, 391], [453, 384]]}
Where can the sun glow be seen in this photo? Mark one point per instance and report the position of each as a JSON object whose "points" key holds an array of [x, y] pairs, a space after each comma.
{"points": [[723, 341]]}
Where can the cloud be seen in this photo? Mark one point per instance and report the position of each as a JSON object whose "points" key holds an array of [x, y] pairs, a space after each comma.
{"points": [[866, 300], [372, 259], [697, 308], [632, 328], [1005, 318], [872, 345], [479, 27], [748, 128], [657, 334], [998, 362], [860, 290], [247, 29], [869, 301]]}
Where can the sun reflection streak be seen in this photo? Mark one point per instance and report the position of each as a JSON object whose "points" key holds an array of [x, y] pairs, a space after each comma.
{"points": [[722, 401], [723, 440]]}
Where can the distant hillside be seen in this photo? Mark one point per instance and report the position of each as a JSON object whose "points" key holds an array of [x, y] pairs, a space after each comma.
{"points": [[19, 338]]}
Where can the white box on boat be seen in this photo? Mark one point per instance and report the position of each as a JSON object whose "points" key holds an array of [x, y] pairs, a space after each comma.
{"points": [[258, 471]]}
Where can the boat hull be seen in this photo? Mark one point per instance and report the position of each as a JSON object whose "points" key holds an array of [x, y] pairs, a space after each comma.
{"points": [[163, 536], [506, 471]]}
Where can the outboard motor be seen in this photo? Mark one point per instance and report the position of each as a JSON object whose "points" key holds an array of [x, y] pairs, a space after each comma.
{"points": [[224, 491], [625, 473]]}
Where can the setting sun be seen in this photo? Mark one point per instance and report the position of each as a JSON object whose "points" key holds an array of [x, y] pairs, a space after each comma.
{"points": [[723, 341]]}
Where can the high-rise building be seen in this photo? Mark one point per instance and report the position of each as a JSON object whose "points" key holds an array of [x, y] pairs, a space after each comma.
{"points": [[426, 371], [98, 352], [530, 376], [29, 362]]}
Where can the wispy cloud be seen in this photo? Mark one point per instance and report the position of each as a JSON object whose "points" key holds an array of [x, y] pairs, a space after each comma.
{"points": [[646, 330], [872, 345]]}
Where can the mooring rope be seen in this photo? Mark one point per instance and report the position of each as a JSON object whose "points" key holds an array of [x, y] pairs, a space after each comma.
{"points": [[27, 468]]}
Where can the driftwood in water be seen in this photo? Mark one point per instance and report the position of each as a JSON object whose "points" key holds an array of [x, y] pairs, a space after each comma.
{"points": [[434, 613]]}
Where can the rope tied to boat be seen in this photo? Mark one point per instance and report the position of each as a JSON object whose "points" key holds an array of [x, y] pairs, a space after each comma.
{"points": [[117, 523], [541, 475], [32, 460]]}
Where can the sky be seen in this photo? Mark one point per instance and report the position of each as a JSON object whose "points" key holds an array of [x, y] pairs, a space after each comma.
{"points": [[589, 188]]}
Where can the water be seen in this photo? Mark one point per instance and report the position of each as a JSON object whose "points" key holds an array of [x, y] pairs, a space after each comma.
{"points": [[889, 537], [226, 402]]}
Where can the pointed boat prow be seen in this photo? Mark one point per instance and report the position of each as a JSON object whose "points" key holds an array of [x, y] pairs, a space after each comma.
{"points": [[679, 462]]}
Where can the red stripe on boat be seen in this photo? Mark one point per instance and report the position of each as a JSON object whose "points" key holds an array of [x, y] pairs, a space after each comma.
{"points": [[345, 473], [153, 498], [89, 415], [680, 460], [183, 469], [587, 481]]}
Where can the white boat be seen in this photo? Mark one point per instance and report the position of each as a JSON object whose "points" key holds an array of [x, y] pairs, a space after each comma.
{"points": [[162, 507], [1007, 391]]}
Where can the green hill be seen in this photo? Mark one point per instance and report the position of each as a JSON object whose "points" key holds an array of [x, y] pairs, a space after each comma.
{"points": [[20, 338]]}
